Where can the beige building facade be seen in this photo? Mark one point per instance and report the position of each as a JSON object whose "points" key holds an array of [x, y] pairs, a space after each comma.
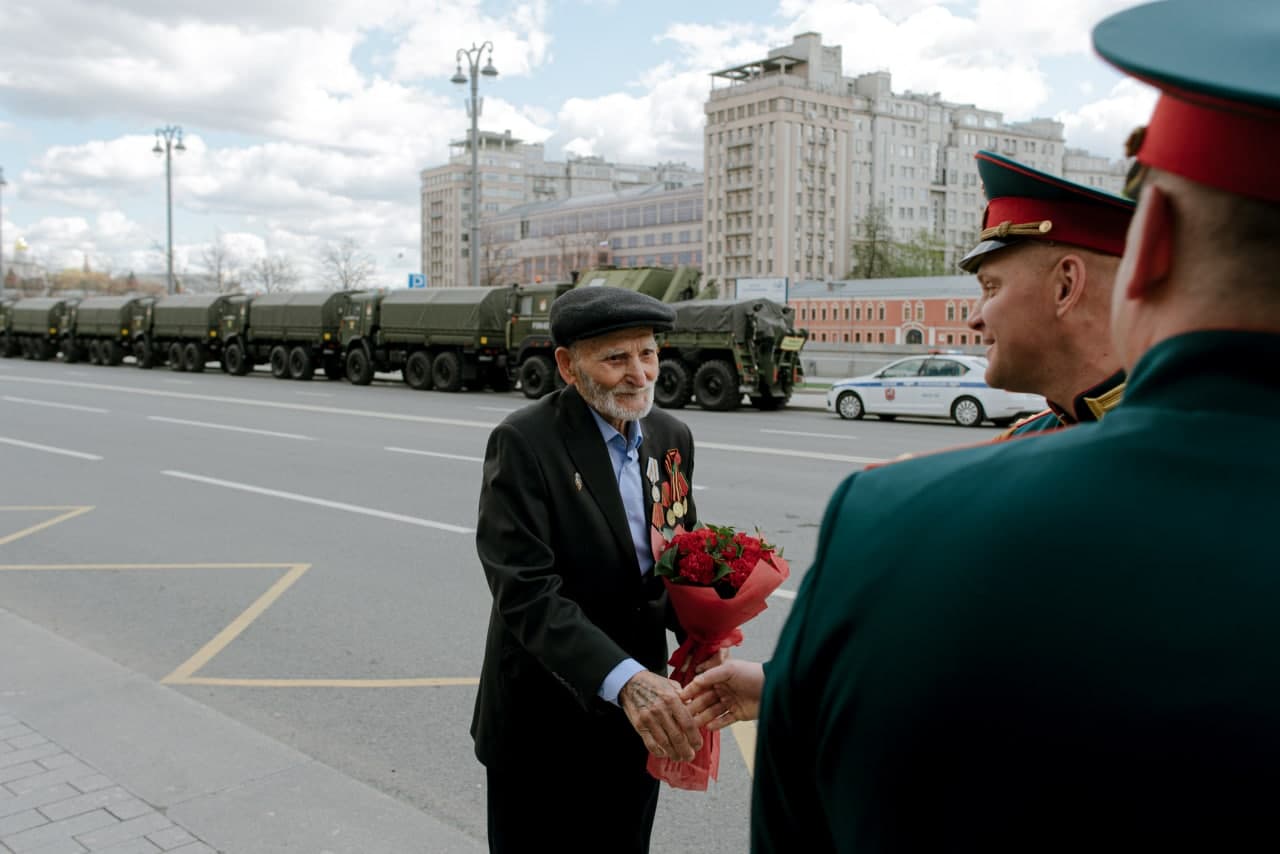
{"points": [[796, 156]]}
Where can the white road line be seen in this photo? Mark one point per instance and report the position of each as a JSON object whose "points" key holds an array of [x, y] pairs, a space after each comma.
{"points": [[179, 382], [78, 373], [228, 427], [814, 435], [435, 454], [497, 409], [322, 502], [313, 394], [247, 401], [698, 486], [49, 449], [55, 405], [783, 594], [786, 452]]}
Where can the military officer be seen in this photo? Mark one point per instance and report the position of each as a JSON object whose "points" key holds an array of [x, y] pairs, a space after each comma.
{"points": [[1046, 260], [932, 691]]}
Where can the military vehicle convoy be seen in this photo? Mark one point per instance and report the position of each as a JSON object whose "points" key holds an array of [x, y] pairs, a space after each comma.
{"points": [[294, 333], [440, 338]]}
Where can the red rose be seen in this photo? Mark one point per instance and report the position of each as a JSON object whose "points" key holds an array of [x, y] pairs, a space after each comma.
{"points": [[697, 567], [741, 569]]}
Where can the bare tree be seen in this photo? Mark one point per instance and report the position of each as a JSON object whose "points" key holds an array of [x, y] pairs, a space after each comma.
{"points": [[873, 248], [497, 260], [273, 274], [345, 267], [222, 264]]}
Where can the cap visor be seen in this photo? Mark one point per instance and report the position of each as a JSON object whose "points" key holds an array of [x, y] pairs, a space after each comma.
{"points": [[971, 262]]}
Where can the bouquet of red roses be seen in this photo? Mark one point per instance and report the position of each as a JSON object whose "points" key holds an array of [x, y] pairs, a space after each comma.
{"points": [[717, 579]]}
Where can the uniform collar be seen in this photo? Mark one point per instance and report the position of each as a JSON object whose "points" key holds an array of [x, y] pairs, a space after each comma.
{"points": [[1094, 402], [1223, 371]]}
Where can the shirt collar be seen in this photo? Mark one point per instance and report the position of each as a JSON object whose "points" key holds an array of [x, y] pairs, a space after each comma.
{"points": [[608, 432]]}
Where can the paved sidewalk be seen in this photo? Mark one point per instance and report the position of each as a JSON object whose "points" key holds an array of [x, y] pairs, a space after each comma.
{"points": [[97, 758]]}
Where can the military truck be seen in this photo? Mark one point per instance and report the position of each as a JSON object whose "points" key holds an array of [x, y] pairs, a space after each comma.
{"points": [[101, 329], [182, 330], [441, 338], [38, 324], [718, 352], [294, 333], [8, 343], [529, 347]]}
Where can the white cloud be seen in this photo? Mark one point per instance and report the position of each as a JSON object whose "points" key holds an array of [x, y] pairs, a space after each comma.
{"points": [[521, 41], [1102, 126]]}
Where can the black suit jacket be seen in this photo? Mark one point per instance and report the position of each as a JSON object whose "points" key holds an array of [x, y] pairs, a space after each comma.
{"points": [[569, 602]]}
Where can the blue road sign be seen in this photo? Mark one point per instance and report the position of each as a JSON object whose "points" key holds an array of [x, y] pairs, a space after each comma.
{"points": [[417, 280]]}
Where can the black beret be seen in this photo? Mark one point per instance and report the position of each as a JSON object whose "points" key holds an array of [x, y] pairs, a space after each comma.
{"points": [[593, 310]]}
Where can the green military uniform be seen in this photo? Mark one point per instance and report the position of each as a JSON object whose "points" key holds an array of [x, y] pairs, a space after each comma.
{"points": [[1090, 405], [934, 690]]}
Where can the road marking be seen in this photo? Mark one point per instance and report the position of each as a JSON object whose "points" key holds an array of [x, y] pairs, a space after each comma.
{"points": [[497, 409], [271, 404], [71, 513], [435, 454], [313, 394], [228, 427], [785, 452], [426, 682], [322, 502], [814, 435], [49, 449], [55, 405], [180, 382], [78, 373], [783, 594], [698, 486]]}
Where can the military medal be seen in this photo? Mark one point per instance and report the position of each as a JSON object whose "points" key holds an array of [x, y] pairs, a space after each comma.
{"points": [[651, 472], [657, 494], [577, 481], [671, 518]]}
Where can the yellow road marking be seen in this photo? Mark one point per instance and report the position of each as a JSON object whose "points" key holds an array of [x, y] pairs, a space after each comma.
{"points": [[744, 732], [72, 512], [236, 627]]}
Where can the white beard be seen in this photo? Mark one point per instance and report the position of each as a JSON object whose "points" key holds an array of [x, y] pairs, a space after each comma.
{"points": [[607, 402]]}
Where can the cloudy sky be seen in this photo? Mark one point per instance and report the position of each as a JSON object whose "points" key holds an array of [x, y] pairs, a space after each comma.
{"points": [[308, 122]]}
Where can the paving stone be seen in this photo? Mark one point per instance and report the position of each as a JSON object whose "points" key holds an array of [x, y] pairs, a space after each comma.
{"points": [[14, 730], [92, 782], [31, 754], [133, 846], [171, 838], [33, 800], [24, 741], [21, 821], [85, 803], [58, 831], [66, 846], [132, 808], [124, 831], [48, 778], [61, 760], [17, 772], [194, 848]]}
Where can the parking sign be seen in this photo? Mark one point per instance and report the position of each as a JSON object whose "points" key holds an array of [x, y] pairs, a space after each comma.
{"points": [[417, 280]]}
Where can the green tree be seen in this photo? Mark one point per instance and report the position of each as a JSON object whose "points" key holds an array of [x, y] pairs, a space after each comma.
{"points": [[873, 245]]}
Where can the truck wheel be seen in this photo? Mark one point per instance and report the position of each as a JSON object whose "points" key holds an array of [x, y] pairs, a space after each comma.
{"points": [[716, 386], [417, 371], [359, 369], [175, 357], [537, 376], [142, 355], [674, 386], [301, 366], [446, 371], [333, 367], [237, 364], [41, 350], [95, 352], [194, 357], [110, 353], [279, 362]]}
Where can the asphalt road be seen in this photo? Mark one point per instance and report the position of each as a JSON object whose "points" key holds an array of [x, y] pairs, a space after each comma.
{"points": [[301, 556]]}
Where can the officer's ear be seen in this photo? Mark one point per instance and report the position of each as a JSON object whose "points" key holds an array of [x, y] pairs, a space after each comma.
{"points": [[1070, 278], [1148, 251]]}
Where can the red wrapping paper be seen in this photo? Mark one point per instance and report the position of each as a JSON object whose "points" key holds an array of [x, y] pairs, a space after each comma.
{"points": [[712, 624]]}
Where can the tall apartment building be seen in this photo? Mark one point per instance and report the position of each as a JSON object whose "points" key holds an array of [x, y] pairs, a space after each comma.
{"points": [[796, 155], [512, 173]]}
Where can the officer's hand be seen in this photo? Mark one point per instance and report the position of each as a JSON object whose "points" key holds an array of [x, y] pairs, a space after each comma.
{"points": [[725, 694], [654, 707]]}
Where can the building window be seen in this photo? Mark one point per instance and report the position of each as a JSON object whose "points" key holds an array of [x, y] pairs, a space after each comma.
{"points": [[857, 312], [846, 338], [857, 337], [920, 311], [882, 318], [881, 337], [964, 311], [951, 312], [964, 339], [906, 311]]}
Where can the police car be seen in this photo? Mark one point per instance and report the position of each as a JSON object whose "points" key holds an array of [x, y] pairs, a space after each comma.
{"points": [[945, 385]]}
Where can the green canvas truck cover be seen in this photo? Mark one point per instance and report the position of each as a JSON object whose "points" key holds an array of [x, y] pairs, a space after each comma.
{"points": [[188, 315], [421, 313], [105, 315], [296, 316], [38, 315], [771, 320]]}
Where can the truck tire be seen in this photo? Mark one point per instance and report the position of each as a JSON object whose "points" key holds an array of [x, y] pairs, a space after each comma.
{"points": [[417, 371], [279, 357], [95, 352], [359, 368], [716, 386], [537, 376], [237, 364], [110, 354], [194, 357], [301, 365], [333, 367], [674, 386], [142, 355], [175, 357], [446, 371]]}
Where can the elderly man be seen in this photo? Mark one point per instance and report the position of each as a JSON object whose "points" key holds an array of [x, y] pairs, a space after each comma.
{"points": [[932, 691], [1046, 262], [576, 490]]}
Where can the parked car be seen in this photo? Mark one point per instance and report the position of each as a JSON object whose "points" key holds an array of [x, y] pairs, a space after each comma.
{"points": [[941, 385]]}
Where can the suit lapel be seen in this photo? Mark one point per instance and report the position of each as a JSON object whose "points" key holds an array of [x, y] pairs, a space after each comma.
{"points": [[588, 452]]}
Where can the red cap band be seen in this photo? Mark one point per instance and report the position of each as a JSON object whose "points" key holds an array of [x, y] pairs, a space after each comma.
{"points": [[1220, 146], [1092, 225]]}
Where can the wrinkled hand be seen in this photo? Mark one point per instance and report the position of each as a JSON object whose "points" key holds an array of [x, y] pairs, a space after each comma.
{"points": [[654, 707], [725, 694]]}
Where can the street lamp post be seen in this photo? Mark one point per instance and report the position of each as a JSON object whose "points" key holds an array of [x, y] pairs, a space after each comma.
{"points": [[172, 136], [3, 184], [473, 57]]}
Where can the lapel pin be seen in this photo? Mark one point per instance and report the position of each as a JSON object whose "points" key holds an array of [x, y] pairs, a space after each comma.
{"points": [[651, 471]]}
